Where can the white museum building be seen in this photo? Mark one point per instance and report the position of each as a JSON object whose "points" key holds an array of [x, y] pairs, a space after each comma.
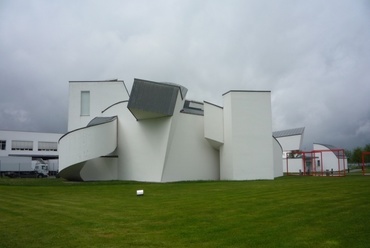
{"points": [[155, 134]]}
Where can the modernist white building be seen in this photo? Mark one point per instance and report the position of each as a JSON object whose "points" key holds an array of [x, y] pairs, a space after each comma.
{"points": [[34, 145], [290, 139], [329, 158], [155, 134], [321, 159]]}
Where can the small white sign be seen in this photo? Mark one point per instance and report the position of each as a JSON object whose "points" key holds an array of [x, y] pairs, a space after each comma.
{"points": [[139, 192]]}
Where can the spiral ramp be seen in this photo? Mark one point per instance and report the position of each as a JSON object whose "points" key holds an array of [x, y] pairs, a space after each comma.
{"points": [[97, 139]]}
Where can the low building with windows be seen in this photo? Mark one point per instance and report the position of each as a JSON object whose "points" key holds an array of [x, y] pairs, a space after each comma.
{"points": [[34, 145], [155, 134]]}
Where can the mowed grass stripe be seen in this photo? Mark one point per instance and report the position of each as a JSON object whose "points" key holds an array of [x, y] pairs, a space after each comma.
{"points": [[287, 212]]}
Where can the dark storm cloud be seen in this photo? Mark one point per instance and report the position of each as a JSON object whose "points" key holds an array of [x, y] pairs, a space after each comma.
{"points": [[312, 55]]}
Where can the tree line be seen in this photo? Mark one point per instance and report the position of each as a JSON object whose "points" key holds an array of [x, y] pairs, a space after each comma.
{"points": [[355, 155]]}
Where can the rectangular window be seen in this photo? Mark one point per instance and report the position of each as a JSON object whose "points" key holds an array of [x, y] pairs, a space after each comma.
{"points": [[2, 144], [85, 103], [22, 145], [47, 146]]}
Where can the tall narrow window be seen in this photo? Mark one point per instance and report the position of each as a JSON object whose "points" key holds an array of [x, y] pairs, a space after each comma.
{"points": [[2, 144], [85, 102]]}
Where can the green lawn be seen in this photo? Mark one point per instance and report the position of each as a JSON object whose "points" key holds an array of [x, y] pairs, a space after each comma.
{"points": [[291, 211]]}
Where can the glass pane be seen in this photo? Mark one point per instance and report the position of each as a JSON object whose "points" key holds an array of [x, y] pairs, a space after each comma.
{"points": [[85, 102]]}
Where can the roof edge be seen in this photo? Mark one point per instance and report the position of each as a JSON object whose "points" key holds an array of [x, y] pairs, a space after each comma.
{"points": [[251, 91]]}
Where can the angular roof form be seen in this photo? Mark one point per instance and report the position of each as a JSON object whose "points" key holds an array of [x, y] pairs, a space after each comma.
{"points": [[100, 120], [288, 132], [153, 100]]}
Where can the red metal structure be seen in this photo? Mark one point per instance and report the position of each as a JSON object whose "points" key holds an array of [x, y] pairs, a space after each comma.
{"points": [[363, 162], [313, 163]]}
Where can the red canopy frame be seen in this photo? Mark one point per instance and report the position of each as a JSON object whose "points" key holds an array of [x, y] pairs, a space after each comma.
{"points": [[315, 154]]}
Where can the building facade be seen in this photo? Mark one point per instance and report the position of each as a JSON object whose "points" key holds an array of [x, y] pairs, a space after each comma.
{"points": [[33, 145], [155, 134], [322, 160]]}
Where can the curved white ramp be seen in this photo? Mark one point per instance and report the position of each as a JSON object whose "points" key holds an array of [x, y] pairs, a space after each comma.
{"points": [[98, 139]]}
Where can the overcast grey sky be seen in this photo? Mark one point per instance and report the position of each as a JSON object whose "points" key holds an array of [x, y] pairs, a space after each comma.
{"points": [[313, 55]]}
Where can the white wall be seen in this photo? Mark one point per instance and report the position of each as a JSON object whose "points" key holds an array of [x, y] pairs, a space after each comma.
{"points": [[291, 143], [102, 95], [103, 168], [247, 153], [294, 165], [141, 146], [226, 150], [278, 151], [213, 124], [85, 144], [143, 149], [190, 156]]}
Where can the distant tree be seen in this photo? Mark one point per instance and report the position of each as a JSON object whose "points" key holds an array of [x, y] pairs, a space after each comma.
{"points": [[348, 154], [357, 155], [367, 149]]}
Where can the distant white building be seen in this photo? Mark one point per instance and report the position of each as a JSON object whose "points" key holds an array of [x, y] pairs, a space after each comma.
{"points": [[320, 160], [34, 145], [290, 139], [155, 134], [329, 158]]}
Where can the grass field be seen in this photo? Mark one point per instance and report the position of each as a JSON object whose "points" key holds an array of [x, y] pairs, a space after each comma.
{"points": [[290, 211]]}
